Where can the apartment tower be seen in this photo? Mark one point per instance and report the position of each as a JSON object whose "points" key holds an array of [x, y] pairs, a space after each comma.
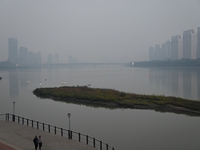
{"points": [[188, 44], [12, 50]]}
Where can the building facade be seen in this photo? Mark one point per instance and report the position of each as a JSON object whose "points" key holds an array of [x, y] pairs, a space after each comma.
{"points": [[13, 50], [176, 47], [151, 53], [198, 43], [23, 56], [188, 47]]}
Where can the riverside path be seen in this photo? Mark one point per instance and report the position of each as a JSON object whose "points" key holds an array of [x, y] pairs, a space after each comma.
{"points": [[15, 136]]}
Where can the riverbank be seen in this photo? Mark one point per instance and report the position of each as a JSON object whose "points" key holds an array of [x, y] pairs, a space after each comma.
{"points": [[116, 99], [20, 137]]}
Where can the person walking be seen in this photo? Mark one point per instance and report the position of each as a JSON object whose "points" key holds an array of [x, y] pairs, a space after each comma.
{"points": [[35, 141], [40, 142]]}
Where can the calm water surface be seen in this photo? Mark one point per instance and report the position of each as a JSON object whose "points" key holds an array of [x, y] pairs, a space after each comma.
{"points": [[125, 129]]}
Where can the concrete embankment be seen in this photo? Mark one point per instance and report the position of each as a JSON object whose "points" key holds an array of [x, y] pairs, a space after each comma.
{"points": [[20, 137]]}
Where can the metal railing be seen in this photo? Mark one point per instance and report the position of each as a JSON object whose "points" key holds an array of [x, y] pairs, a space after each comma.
{"points": [[59, 131]]}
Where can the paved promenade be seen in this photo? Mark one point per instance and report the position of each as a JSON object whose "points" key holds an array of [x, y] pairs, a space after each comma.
{"points": [[14, 136]]}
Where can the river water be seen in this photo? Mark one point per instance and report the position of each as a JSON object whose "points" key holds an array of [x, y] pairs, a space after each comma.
{"points": [[124, 129]]}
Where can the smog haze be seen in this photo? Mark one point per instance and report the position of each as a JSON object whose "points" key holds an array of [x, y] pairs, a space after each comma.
{"points": [[95, 30]]}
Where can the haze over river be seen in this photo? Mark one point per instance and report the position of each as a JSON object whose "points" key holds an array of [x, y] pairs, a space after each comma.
{"points": [[124, 129]]}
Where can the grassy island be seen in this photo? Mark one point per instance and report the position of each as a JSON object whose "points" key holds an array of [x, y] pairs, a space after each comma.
{"points": [[116, 99]]}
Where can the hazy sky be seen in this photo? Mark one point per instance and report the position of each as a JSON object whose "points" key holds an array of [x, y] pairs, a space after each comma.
{"points": [[95, 30]]}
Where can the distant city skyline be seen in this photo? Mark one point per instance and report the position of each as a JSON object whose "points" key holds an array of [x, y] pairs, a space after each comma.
{"points": [[186, 46], [94, 31], [21, 56]]}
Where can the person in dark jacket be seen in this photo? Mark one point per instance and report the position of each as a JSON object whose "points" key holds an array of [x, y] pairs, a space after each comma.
{"points": [[35, 141]]}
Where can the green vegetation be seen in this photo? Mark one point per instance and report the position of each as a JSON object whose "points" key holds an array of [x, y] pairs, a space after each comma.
{"points": [[113, 98]]}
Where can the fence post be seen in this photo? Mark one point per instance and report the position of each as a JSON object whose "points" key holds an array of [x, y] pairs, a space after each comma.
{"points": [[18, 119], [106, 146], [13, 118], [69, 134], [43, 126], [55, 129], [27, 122], [23, 120], [61, 131], [113, 148], [79, 137], [87, 139], [94, 142], [32, 123], [37, 125], [49, 128], [100, 145], [7, 117]]}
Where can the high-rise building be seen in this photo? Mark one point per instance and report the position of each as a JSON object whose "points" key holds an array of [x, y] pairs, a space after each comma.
{"points": [[38, 58], [167, 50], [49, 59], [151, 53], [56, 58], [12, 50], [23, 55], [176, 47], [189, 47], [198, 43]]}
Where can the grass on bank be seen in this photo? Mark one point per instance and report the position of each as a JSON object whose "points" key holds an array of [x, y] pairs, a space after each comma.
{"points": [[110, 96]]}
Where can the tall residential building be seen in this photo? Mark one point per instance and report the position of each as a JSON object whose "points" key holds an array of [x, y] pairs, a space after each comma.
{"points": [[56, 59], [176, 47], [49, 59], [38, 58], [151, 53], [31, 57], [198, 43], [167, 49], [188, 44], [157, 54], [12, 50], [23, 56]]}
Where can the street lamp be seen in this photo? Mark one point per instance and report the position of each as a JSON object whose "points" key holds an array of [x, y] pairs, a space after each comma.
{"points": [[13, 108], [13, 111], [40, 84], [69, 115], [69, 132]]}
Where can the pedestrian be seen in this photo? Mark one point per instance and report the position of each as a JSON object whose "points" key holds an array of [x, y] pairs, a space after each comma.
{"points": [[35, 141], [40, 142]]}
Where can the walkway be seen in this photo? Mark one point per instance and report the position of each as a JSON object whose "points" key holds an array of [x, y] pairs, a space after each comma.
{"points": [[20, 137]]}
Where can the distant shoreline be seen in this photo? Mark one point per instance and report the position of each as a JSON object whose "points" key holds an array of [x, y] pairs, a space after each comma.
{"points": [[114, 99], [182, 63]]}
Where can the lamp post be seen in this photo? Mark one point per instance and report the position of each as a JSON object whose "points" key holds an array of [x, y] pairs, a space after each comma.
{"points": [[40, 84], [69, 133], [13, 112], [69, 115], [13, 108]]}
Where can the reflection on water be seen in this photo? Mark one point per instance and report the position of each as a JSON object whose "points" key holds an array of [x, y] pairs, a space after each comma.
{"points": [[141, 129], [179, 82], [13, 85]]}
